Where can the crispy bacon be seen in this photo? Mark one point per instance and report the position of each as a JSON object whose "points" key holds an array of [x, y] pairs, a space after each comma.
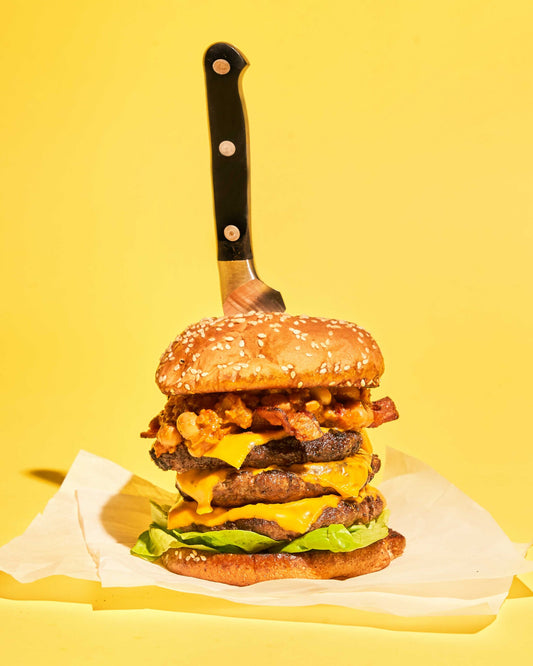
{"points": [[305, 426], [384, 410], [351, 415], [152, 429], [301, 425]]}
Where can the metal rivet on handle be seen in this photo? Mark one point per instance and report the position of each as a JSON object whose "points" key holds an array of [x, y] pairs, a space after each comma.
{"points": [[226, 148], [221, 66], [232, 233]]}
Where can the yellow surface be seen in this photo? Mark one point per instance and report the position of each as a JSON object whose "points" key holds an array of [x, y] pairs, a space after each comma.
{"points": [[391, 149]]}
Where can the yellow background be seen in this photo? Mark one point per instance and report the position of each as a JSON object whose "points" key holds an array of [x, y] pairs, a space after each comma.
{"points": [[391, 148]]}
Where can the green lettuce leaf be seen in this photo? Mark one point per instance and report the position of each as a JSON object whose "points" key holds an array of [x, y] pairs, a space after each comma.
{"points": [[156, 540], [159, 514], [336, 538], [229, 541]]}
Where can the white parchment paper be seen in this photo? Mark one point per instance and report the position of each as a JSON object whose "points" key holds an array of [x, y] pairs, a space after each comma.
{"points": [[457, 561]]}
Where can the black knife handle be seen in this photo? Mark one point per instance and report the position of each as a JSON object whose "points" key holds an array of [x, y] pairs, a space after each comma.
{"points": [[223, 65]]}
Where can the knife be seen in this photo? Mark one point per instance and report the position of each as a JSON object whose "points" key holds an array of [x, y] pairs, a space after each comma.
{"points": [[240, 286]]}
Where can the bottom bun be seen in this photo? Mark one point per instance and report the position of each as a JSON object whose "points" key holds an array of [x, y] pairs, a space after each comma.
{"points": [[243, 569]]}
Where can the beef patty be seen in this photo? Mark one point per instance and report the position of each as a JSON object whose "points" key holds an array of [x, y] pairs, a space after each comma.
{"points": [[347, 512], [274, 485], [333, 445]]}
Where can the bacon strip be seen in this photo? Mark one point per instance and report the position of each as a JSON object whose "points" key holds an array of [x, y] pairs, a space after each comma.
{"points": [[384, 411], [301, 425], [305, 426], [153, 428]]}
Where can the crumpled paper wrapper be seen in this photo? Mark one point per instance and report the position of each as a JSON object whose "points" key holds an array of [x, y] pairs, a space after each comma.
{"points": [[457, 561]]}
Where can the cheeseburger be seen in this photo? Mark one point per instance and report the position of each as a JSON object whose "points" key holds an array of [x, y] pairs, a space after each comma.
{"points": [[265, 428]]}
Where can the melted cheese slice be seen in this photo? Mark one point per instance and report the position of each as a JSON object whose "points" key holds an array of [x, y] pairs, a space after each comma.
{"points": [[233, 449], [292, 516], [200, 485], [346, 477], [370, 491], [366, 444]]}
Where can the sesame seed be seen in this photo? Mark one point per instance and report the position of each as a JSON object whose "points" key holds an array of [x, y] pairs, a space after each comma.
{"points": [[308, 354], [261, 335], [241, 343], [293, 374], [346, 367], [260, 343], [300, 384]]}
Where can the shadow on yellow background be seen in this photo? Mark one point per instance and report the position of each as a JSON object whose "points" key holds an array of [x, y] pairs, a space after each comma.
{"points": [[53, 476]]}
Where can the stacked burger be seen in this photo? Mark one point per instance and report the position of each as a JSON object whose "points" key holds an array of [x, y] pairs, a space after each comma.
{"points": [[265, 427]]}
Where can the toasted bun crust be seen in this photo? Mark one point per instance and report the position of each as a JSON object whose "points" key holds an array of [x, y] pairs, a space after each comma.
{"points": [[258, 350], [248, 569]]}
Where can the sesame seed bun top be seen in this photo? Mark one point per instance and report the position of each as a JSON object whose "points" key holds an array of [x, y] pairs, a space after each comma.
{"points": [[258, 350]]}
